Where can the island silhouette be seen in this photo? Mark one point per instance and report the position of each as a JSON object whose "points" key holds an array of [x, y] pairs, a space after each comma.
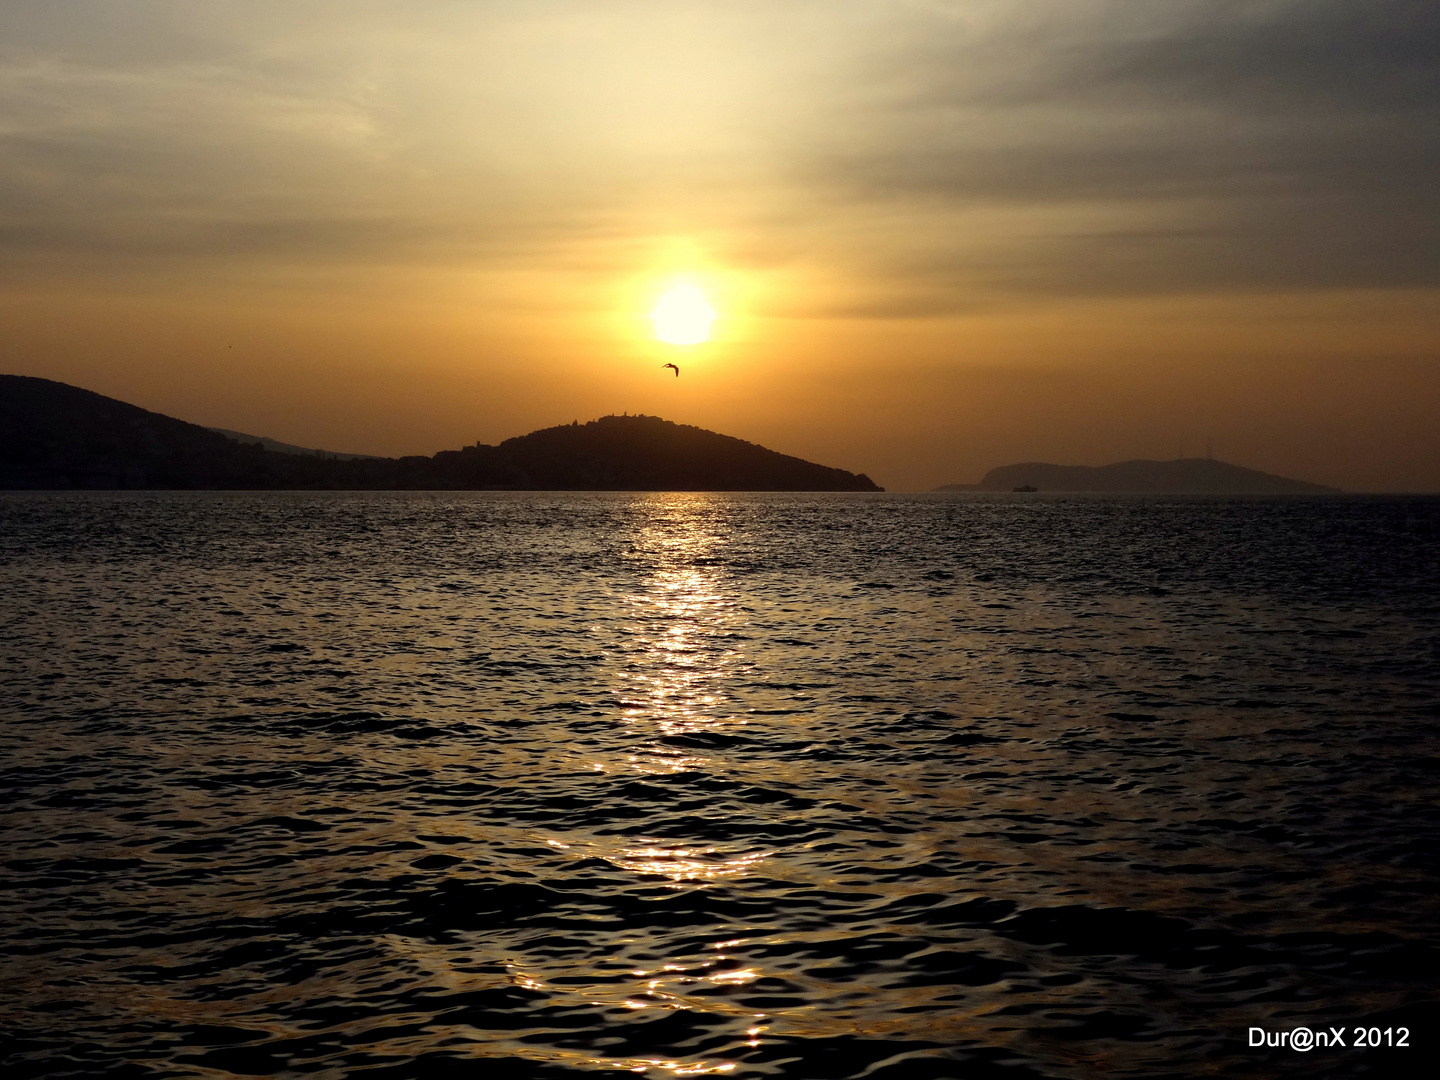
{"points": [[284, 447], [57, 436], [1182, 476]]}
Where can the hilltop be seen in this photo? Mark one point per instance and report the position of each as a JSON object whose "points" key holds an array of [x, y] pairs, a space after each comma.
{"points": [[642, 453], [53, 435], [1183, 476]]}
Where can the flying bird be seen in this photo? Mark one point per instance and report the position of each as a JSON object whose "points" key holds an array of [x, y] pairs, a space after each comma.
{"points": [[677, 370]]}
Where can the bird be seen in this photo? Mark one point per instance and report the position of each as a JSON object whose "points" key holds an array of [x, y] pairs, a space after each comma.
{"points": [[677, 370]]}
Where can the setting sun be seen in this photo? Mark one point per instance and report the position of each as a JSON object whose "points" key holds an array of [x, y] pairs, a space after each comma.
{"points": [[682, 316]]}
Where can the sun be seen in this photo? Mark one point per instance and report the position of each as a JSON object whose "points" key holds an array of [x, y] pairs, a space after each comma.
{"points": [[682, 316]]}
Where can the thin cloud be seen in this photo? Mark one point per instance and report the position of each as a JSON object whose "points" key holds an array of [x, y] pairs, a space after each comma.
{"points": [[931, 154], [1247, 144]]}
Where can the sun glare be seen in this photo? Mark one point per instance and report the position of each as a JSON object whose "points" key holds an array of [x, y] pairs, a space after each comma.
{"points": [[682, 316]]}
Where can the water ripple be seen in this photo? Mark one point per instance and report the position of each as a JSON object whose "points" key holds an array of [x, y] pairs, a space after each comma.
{"points": [[411, 785]]}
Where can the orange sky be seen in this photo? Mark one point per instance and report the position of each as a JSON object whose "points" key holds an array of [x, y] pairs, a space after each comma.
{"points": [[940, 237]]}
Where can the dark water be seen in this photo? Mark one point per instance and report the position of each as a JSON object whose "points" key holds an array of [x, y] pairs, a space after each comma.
{"points": [[543, 785]]}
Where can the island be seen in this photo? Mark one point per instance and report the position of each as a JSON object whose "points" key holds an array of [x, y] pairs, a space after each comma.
{"points": [[57, 436], [1182, 476]]}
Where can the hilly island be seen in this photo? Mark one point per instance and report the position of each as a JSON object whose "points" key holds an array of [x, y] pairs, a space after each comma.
{"points": [[56, 436]]}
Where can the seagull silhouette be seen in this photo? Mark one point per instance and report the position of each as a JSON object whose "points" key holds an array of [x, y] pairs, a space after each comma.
{"points": [[677, 370]]}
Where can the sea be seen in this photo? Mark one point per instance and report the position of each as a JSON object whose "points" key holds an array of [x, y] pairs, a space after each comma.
{"points": [[512, 785]]}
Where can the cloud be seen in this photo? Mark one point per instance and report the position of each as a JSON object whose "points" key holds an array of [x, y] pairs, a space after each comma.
{"points": [[931, 154], [1158, 147], [432, 132]]}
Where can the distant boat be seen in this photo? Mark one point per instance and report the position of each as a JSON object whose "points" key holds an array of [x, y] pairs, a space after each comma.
{"points": [[1025, 487]]}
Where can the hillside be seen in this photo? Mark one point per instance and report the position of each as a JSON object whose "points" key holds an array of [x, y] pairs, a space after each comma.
{"points": [[1183, 476], [55, 436], [267, 443]]}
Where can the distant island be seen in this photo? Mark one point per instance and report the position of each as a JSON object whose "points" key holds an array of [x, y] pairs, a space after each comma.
{"points": [[56, 436], [1183, 476], [267, 443]]}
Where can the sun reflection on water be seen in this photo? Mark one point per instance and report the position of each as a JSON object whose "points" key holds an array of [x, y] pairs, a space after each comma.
{"points": [[685, 622], [687, 863], [687, 631], [677, 676]]}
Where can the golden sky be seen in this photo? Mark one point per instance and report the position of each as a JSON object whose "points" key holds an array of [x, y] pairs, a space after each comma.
{"points": [[938, 236]]}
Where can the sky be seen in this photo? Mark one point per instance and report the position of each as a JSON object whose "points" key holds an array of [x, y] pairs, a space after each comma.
{"points": [[937, 236]]}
